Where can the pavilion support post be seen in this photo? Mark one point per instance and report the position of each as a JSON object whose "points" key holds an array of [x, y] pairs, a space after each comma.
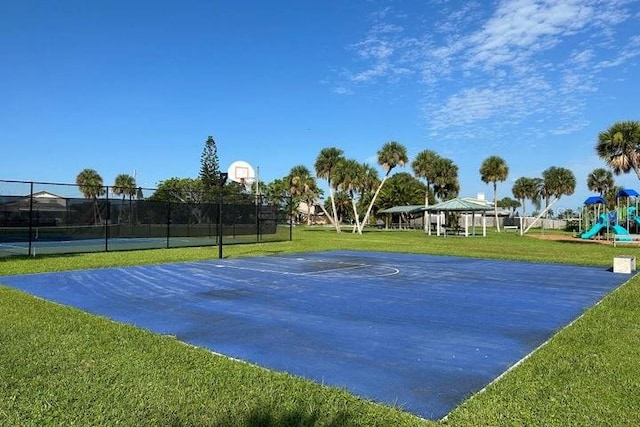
{"points": [[466, 225], [484, 224], [521, 226]]}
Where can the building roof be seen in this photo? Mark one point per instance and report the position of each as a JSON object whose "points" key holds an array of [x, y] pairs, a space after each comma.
{"points": [[403, 209], [458, 205]]}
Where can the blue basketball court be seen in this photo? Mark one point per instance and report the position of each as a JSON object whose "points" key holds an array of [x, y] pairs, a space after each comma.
{"points": [[420, 332]]}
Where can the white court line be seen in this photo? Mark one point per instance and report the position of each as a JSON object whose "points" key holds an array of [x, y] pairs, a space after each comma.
{"points": [[329, 270], [289, 273], [351, 267], [3, 245]]}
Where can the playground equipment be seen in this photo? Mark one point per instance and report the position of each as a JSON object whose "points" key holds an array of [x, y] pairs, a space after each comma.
{"points": [[633, 215], [595, 229], [605, 221], [598, 203], [613, 219]]}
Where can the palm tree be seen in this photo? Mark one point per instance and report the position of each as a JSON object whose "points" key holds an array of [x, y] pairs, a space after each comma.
{"points": [[91, 186], [402, 189], [125, 185], [325, 165], [347, 176], [527, 188], [445, 184], [611, 197], [492, 170], [600, 180], [509, 203], [520, 191], [538, 192], [619, 146], [558, 182], [370, 182], [343, 205], [303, 186], [424, 166], [391, 154]]}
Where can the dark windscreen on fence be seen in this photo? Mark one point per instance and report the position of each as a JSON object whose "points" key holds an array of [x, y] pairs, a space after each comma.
{"points": [[40, 218]]}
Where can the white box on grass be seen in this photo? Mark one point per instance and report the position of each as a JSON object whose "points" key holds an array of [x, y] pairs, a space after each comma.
{"points": [[624, 264]]}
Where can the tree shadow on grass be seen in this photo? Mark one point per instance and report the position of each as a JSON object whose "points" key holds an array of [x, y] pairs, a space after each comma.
{"points": [[266, 417], [295, 418]]}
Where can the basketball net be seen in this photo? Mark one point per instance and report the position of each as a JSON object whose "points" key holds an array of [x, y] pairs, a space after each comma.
{"points": [[245, 184]]}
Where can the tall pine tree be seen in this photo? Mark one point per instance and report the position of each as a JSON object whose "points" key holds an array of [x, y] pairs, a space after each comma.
{"points": [[209, 167]]}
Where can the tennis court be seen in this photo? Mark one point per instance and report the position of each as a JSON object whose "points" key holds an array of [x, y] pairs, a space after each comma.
{"points": [[61, 244], [36, 219], [420, 332], [47, 247]]}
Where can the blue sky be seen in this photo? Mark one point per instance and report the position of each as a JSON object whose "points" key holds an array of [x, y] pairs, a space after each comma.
{"points": [[120, 86]]}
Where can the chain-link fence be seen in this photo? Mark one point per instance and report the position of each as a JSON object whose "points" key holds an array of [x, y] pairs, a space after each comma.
{"points": [[49, 218]]}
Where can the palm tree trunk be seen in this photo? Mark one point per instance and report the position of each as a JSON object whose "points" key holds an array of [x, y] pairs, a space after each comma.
{"points": [[373, 200], [329, 218], [96, 211], [355, 215], [121, 211], [333, 206], [130, 215]]}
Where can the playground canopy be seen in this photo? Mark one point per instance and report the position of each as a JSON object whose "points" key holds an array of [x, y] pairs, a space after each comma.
{"points": [[627, 192], [594, 200]]}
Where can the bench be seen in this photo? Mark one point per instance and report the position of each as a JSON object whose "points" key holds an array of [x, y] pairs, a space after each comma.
{"points": [[626, 238], [452, 230]]}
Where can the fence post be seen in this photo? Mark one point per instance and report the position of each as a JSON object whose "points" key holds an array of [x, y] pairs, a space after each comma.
{"points": [[30, 252], [106, 222], [258, 208], [222, 181], [168, 222], [291, 222]]}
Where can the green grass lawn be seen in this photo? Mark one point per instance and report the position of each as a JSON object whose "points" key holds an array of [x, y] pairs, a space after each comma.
{"points": [[60, 366]]}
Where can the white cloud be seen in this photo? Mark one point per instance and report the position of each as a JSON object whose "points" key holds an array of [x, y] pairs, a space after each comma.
{"points": [[522, 28], [385, 54], [454, 20], [373, 48], [529, 64], [341, 90]]}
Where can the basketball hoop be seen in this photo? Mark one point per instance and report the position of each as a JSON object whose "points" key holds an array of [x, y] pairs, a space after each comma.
{"points": [[242, 173]]}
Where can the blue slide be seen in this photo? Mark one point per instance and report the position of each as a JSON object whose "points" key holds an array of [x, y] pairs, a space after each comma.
{"points": [[621, 231], [594, 230]]}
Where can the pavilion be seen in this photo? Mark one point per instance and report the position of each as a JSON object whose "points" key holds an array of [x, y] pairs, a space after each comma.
{"points": [[459, 205]]}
